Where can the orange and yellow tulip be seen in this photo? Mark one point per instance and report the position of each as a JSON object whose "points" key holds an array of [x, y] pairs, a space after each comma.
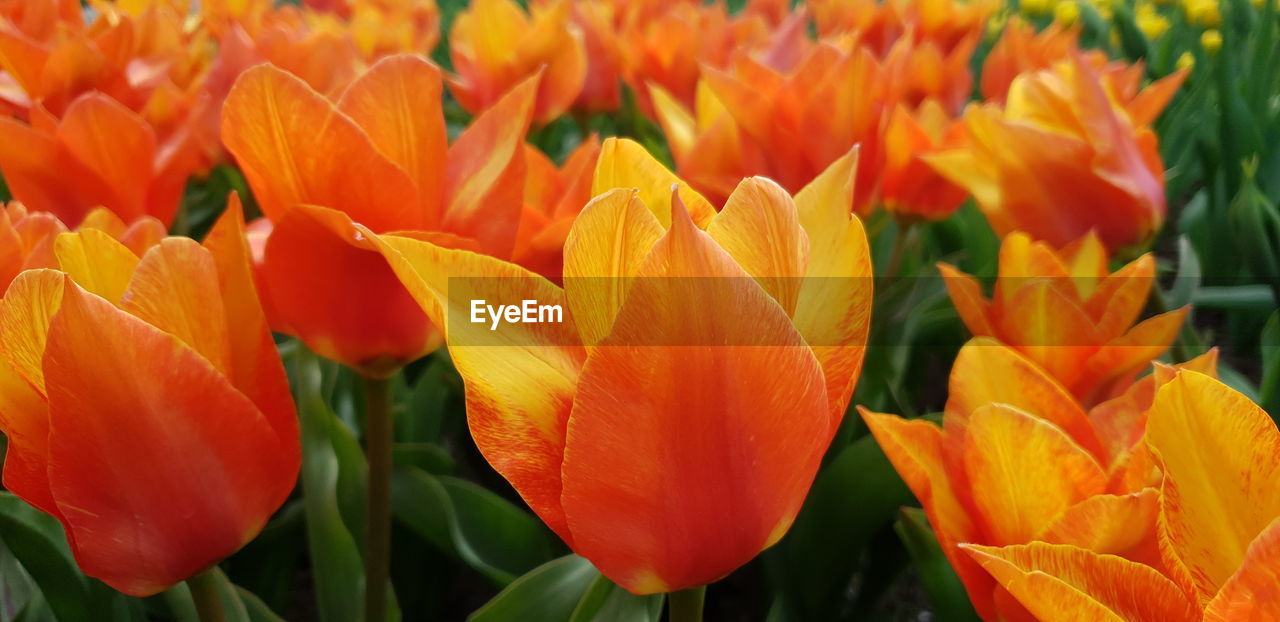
{"points": [[1219, 512], [379, 157], [552, 200], [496, 46], [677, 321], [27, 238], [145, 404], [909, 188], [1018, 459], [385, 27], [99, 153], [1064, 157], [1068, 313]]}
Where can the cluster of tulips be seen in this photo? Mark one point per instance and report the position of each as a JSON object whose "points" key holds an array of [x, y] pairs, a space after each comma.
{"points": [[716, 313]]}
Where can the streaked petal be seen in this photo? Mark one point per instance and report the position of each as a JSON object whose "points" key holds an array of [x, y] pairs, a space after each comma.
{"points": [[124, 451], [1049, 327], [604, 250], [1024, 471], [397, 103], [96, 261], [1121, 296], [1253, 592], [30, 303], [742, 442], [175, 289], [1118, 360], [1122, 525], [1058, 582], [966, 295], [625, 164], [1221, 458], [760, 229]]}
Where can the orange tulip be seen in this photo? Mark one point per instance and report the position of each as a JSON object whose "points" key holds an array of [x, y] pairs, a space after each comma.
{"points": [[1219, 513], [99, 153], [145, 404], [1064, 158], [379, 157], [1017, 460], [910, 188], [552, 200], [1021, 49], [385, 27], [1068, 314], [27, 238], [944, 23], [496, 46], [677, 321]]}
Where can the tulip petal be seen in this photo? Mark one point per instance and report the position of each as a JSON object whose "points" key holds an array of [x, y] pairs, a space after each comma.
{"points": [[30, 303], [484, 176], [1058, 582], [625, 164], [604, 250], [125, 450], [256, 369], [1120, 297], [97, 262], [331, 288], [1049, 327], [1024, 471], [1118, 360], [741, 442], [520, 380], [295, 149], [986, 371], [1112, 524], [397, 103], [833, 307], [36, 168], [175, 289], [966, 296], [917, 451], [1253, 592], [117, 145], [1219, 454], [760, 229]]}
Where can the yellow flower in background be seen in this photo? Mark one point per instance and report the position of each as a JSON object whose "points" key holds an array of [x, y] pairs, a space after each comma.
{"points": [[1203, 13], [1211, 41], [1186, 61], [1150, 21], [1036, 7], [1066, 12]]}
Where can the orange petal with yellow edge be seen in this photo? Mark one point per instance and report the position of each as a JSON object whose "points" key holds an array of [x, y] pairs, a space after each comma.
{"points": [[966, 296], [1116, 362], [760, 229], [916, 449], [986, 371], [833, 307], [603, 253], [1221, 459], [124, 454], [295, 148], [1049, 326], [1024, 471], [1120, 297], [397, 104], [741, 443], [1122, 525], [520, 379], [331, 288], [485, 173], [625, 164], [1058, 582], [1253, 592]]}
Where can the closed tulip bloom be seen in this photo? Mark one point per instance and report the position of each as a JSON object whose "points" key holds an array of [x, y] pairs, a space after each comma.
{"points": [[1219, 511], [99, 153], [1017, 459], [495, 46], [667, 366], [379, 157], [1064, 157], [145, 404], [1066, 311]]}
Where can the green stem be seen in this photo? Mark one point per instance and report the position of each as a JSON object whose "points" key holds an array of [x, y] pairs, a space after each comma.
{"points": [[899, 248], [377, 536], [686, 605], [204, 593]]}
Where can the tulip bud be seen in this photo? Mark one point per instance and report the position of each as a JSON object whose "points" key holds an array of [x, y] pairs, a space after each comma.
{"points": [[1256, 222]]}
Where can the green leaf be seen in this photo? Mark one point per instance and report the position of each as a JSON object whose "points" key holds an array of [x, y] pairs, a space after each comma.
{"points": [[852, 498], [1256, 298], [945, 591], [1270, 346], [549, 593], [604, 601], [1187, 280], [478, 527], [37, 541]]}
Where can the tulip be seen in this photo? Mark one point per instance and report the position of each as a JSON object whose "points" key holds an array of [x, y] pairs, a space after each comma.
{"points": [[384, 27], [495, 46], [99, 153], [1065, 311], [145, 404], [910, 188], [1219, 513], [552, 200], [1017, 460], [1064, 158], [942, 23], [27, 238], [379, 157], [665, 366]]}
